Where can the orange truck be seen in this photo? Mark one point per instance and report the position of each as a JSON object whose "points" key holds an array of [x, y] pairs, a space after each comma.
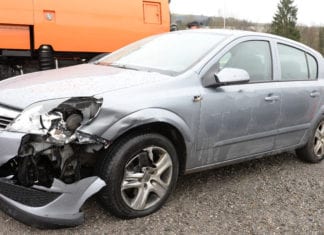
{"points": [[44, 34]]}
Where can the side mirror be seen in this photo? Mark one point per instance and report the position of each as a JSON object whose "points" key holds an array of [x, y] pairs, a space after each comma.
{"points": [[227, 76]]}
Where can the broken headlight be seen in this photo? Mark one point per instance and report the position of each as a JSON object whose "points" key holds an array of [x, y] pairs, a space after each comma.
{"points": [[58, 119]]}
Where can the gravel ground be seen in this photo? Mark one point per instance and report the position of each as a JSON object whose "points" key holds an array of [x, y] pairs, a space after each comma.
{"points": [[278, 194]]}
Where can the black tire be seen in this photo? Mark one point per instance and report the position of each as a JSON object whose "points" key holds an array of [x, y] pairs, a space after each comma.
{"points": [[307, 153], [46, 58], [131, 154]]}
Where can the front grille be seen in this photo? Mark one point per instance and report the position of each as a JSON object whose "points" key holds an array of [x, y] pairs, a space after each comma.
{"points": [[7, 115], [4, 122], [27, 196]]}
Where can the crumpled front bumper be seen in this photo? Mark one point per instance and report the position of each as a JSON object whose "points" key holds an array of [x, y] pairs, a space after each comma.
{"points": [[55, 207]]}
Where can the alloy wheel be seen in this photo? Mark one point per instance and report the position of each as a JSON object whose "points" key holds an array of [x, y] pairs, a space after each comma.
{"points": [[319, 140], [147, 178]]}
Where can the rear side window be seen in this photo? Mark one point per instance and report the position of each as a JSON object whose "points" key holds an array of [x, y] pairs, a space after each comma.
{"points": [[312, 64], [296, 64]]}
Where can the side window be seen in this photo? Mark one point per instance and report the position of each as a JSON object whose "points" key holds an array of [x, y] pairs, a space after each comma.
{"points": [[252, 56], [312, 64], [293, 63]]}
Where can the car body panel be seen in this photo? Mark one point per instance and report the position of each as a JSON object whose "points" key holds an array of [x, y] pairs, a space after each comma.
{"points": [[244, 126], [298, 109], [64, 211], [75, 81], [10, 143]]}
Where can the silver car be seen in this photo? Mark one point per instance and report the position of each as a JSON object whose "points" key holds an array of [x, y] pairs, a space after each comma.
{"points": [[130, 123]]}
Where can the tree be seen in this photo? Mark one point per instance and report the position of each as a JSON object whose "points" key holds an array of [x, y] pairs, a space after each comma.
{"points": [[310, 36], [285, 20], [321, 40]]}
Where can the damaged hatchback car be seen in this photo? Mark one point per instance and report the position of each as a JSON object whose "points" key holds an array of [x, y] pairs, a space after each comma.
{"points": [[127, 125]]}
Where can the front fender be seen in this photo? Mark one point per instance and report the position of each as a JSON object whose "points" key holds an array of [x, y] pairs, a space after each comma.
{"points": [[147, 116]]}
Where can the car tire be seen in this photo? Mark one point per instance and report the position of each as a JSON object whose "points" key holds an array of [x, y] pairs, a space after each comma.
{"points": [[313, 151], [140, 172]]}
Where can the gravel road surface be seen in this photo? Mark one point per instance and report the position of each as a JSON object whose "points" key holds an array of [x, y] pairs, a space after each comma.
{"points": [[277, 194]]}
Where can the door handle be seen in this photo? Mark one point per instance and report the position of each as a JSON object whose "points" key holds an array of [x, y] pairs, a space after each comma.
{"points": [[314, 94], [272, 98]]}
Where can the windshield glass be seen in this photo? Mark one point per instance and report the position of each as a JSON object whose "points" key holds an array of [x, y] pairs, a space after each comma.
{"points": [[171, 53]]}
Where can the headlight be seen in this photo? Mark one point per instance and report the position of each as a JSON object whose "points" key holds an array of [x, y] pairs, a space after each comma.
{"points": [[59, 119]]}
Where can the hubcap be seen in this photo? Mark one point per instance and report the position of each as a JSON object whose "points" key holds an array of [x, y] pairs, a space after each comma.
{"points": [[319, 140], [147, 177]]}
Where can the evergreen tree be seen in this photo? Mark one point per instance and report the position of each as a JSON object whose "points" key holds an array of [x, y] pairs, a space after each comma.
{"points": [[285, 19], [321, 40]]}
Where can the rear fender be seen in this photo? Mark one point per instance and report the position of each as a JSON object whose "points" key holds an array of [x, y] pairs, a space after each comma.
{"points": [[319, 115]]}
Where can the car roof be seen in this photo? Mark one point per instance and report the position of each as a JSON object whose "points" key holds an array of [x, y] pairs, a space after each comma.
{"points": [[234, 33], [230, 33]]}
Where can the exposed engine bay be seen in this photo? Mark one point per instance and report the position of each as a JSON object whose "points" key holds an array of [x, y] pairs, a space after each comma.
{"points": [[39, 162], [54, 147]]}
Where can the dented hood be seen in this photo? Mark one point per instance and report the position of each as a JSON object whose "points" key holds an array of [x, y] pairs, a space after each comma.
{"points": [[80, 80]]}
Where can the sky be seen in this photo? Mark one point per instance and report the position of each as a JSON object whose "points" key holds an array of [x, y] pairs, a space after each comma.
{"points": [[310, 12]]}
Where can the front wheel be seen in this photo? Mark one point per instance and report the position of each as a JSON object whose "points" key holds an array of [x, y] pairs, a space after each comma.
{"points": [[140, 172], [313, 151]]}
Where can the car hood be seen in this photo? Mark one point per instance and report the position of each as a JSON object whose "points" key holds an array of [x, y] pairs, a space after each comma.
{"points": [[75, 81]]}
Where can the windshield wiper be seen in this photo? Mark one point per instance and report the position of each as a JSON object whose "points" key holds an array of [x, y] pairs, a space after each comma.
{"points": [[122, 66]]}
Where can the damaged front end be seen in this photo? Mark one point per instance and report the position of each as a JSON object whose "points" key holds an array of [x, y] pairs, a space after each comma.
{"points": [[47, 162]]}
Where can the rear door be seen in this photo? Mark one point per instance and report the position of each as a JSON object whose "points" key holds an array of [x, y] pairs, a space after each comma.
{"points": [[299, 91]]}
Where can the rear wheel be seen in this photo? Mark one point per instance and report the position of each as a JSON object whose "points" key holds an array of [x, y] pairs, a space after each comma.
{"points": [[313, 151], [140, 172]]}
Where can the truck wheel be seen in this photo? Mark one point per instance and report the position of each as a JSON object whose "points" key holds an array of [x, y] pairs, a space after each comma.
{"points": [[313, 151], [140, 172]]}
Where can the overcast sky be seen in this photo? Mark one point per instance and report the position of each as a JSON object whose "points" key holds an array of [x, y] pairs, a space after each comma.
{"points": [[310, 12]]}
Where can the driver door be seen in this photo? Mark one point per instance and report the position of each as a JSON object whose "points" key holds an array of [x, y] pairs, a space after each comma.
{"points": [[240, 120]]}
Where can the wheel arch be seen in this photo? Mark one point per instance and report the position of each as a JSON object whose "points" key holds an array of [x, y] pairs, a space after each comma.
{"points": [[165, 129], [317, 117], [161, 121]]}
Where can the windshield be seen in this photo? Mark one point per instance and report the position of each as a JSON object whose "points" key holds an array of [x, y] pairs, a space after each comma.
{"points": [[171, 53]]}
